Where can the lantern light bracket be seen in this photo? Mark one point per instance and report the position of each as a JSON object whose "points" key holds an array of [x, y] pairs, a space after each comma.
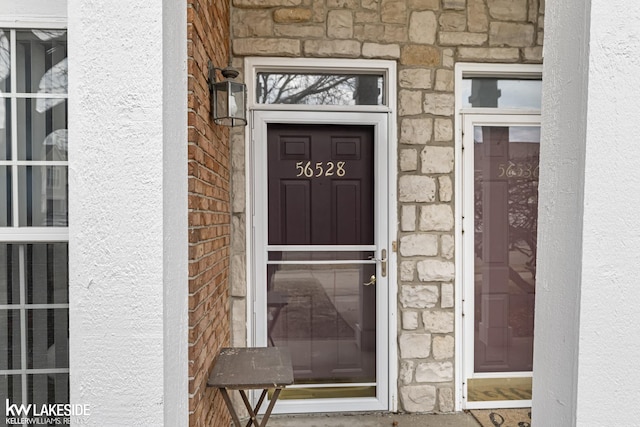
{"points": [[227, 72]]}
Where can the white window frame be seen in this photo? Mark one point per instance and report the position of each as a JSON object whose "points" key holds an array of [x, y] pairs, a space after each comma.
{"points": [[29, 19], [50, 14], [305, 113], [466, 70], [254, 65]]}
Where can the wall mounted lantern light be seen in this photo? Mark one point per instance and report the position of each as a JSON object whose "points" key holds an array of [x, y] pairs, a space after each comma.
{"points": [[228, 98]]}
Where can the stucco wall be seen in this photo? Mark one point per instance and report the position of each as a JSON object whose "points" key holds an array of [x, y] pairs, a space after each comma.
{"points": [[128, 212], [611, 234], [426, 38], [588, 266]]}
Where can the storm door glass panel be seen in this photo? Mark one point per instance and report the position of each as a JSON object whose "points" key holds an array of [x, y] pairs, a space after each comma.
{"points": [[321, 297], [326, 317], [320, 89], [506, 205]]}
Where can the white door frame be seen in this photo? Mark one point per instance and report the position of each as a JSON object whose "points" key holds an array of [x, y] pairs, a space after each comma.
{"points": [[469, 121], [469, 70], [383, 118]]}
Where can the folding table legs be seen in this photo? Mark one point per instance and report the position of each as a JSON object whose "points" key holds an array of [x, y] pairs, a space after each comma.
{"points": [[253, 420]]}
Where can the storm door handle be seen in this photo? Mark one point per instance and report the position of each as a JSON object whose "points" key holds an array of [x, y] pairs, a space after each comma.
{"points": [[383, 262]]}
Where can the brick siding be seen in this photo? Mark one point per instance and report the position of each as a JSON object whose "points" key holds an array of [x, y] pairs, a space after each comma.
{"points": [[209, 211]]}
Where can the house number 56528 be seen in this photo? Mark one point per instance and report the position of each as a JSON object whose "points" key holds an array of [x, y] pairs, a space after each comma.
{"points": [[319, 169]]}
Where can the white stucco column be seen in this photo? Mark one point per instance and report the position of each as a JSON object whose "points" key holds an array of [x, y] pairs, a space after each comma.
{"points": [[128, 211], [587, 312]]}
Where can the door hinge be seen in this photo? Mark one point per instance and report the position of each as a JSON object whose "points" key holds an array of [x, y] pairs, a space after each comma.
{"points": [[394, 246]]}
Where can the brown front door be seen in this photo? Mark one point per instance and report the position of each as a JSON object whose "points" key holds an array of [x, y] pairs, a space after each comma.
{"points": [[501, 207], [506, 212], [320, 269], [320, 185]]}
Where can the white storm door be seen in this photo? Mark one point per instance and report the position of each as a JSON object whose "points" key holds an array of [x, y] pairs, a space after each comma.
{"points": [[500, 210], [322, 256]]}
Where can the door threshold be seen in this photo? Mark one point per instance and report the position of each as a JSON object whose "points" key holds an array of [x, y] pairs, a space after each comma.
{"points": [[499, 404]]}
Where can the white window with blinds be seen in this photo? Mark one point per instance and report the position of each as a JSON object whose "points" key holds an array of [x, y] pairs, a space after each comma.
{"points": [[34, 290]]}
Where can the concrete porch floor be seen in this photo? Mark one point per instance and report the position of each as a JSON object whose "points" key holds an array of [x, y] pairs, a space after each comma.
{"points": [[373, 420]]}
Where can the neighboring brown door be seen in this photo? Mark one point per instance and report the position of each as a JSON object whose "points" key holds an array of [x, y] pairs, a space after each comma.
{"points": [[506, 212], [321, 192]]}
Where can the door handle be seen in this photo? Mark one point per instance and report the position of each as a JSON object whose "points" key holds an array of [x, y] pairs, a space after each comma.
{"points": [[372, 281], [383, 262]]}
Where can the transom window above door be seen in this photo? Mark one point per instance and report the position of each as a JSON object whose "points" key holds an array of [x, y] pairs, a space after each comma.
{"points": [[320, 84], [511, 93], [319, 88]]}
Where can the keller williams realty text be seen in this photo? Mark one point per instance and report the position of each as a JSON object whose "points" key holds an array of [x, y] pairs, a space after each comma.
{"points": [[54, 410]]}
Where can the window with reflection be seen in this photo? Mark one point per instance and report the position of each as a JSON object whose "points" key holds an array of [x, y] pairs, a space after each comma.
{"points": [[506, 171], [324, 314], [34, 277], [484, 92], [320, 89]]}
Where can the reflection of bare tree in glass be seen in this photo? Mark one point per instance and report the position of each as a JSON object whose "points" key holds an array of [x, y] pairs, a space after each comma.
{"points": [[54, 80], [523, 220], [5, 69], [5, 56], [45, 35], [315, 89]]}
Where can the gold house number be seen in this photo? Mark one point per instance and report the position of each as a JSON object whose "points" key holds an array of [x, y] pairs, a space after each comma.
{"points": [[320, 169], [518, 170]]}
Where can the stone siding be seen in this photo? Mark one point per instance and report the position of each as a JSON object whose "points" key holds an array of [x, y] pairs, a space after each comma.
{"points": [[209, 212], [426, 38]]}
